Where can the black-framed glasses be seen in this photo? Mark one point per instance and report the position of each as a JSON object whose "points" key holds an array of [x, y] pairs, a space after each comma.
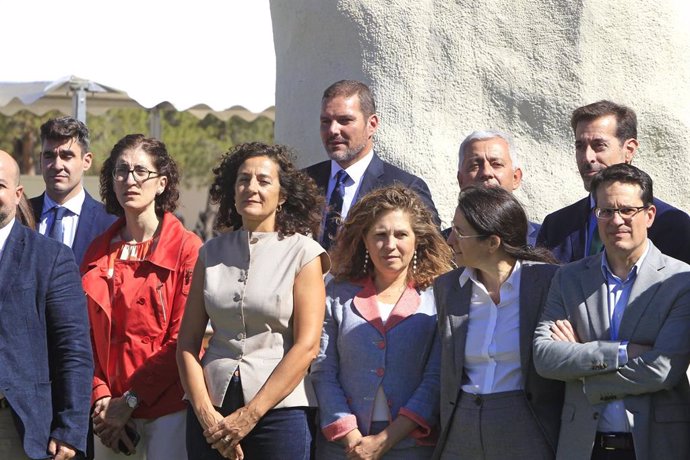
{"points": [[460, 236], [139, 173], [626, 212]]}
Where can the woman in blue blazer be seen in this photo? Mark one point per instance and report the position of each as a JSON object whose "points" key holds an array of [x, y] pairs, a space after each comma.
{"points": [[377, 373]]}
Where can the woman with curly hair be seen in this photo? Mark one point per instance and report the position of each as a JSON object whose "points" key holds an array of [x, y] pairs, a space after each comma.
{"points": [[261, 285], [137, 277], [377, 374]]}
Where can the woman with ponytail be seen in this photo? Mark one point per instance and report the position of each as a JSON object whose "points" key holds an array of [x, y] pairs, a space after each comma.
{"points": [[493, 403]]}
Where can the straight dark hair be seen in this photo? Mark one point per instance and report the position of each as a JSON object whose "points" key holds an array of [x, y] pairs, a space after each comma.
{"points": [[626, 174]]}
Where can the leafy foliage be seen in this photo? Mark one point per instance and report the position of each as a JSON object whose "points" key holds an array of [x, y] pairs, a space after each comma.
{"points": [[195, 144]]}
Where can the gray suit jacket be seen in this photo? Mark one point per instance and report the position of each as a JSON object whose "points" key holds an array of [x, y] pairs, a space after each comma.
{"points": [[653, 386], [545, 397]]}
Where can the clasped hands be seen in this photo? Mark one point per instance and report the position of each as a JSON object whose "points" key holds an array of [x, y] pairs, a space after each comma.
{"points": [[225, 434], [358, 447], [110, 415]]}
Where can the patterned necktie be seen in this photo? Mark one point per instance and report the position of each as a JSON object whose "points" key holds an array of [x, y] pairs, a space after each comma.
{"points": [[595, 243], [56, 231], [335, 207]]}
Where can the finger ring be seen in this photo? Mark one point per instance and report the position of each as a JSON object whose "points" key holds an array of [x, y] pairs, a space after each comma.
{"points": [[226, 439]]}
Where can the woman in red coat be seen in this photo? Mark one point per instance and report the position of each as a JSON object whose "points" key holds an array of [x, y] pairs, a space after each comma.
{"points": [[137, 276]]}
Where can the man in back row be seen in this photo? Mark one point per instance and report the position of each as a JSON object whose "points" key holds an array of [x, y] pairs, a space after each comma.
{"points": [[66, 212], [348, 125], [606, 134], [489, 158]]}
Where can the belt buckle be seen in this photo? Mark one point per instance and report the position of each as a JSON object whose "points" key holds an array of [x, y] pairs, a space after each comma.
{"points": [[605, 437]]}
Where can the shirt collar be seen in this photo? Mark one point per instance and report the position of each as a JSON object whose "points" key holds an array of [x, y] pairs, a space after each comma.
{"points": [[471, 274], [606, 270], [74, 204], [5, 233], [356, 170]]}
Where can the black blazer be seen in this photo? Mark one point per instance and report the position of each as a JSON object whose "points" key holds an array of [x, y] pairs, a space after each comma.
{"points": [[93, 221], [378, 174], [564, 231], [45, 346]]}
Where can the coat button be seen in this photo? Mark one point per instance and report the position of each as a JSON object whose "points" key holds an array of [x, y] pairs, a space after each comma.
{"points": [[240, 336], [145, 340], [595, 415], [254, 240], [237, 298], [381, 345], [380, 372], [141, 301]]}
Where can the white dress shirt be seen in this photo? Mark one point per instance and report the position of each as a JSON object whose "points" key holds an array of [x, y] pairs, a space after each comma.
{"points": [[4, 234], [351, 185], [492, 347], [70, 221]]}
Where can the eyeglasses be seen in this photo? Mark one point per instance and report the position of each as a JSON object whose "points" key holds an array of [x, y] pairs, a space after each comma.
{"points": [[139, 173], [627, 212], [460, 236]]}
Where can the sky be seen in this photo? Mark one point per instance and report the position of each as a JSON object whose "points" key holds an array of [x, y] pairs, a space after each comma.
{"points": [[216, 52]]}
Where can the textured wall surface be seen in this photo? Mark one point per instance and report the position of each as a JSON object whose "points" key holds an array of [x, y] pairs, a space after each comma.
{"points": [[441, 69]]}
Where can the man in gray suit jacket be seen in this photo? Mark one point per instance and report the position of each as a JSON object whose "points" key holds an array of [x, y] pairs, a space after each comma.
{"points": [[616, 329]]}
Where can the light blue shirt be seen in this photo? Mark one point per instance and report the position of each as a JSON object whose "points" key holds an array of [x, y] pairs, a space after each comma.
{"points": [[70, 221], [614, 418]]}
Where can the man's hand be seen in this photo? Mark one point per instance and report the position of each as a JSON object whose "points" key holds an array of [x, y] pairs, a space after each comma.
{"points": [[635, 350], [60, 451], [562, 331], [109, 418]]}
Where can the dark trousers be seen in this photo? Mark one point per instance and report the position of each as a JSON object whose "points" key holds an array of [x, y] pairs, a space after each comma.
{"points": [[281, 433]]}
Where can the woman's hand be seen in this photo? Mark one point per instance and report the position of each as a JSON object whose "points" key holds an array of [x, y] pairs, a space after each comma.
{"points": [[368, 448], [110, 415], [232, 429]]}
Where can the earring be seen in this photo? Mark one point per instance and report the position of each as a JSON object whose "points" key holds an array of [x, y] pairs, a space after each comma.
{"points": [[279, 208], [366, 261], [414, 263]]}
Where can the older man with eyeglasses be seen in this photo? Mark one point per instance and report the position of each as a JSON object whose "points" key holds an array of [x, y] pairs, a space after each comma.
{"points": [[616, 330]]}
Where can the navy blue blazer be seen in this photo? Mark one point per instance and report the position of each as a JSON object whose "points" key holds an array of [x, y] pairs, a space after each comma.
{"points": [[564, 231], [93, 221], [378, 174], [45, 347]]}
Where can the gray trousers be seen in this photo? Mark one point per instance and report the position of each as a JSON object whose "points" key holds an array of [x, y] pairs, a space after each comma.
{"points": [[496, 426]]}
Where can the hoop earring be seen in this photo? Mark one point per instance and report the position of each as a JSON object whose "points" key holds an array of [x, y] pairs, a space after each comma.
{"points": [[366, 261], [414, 262], [279, 208]]}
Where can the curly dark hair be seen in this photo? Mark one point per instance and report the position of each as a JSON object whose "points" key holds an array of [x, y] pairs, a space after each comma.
{"points": [[303, 207], [162, 161], [433, 253]]}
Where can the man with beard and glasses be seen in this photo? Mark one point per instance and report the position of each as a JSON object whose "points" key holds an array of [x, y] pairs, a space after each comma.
{"points": [[348, 124], [606, 134]]}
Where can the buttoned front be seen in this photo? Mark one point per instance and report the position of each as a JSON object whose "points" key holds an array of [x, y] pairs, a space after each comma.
{"points": [[137, 313], [359, 354], [248, 295]]}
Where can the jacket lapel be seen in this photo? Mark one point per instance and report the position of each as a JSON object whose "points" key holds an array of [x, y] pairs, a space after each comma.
{"points": [[644, 289], [10, 264], [371, 178], [365, 303], [459, 299], [595, 294], [577, 238], [530, 303]]}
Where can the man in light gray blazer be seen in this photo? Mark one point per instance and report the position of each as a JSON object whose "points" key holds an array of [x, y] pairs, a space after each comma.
{"points": [[616, 329]]}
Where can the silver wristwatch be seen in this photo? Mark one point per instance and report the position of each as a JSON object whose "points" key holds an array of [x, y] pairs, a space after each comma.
{"points": [[131, 399]]}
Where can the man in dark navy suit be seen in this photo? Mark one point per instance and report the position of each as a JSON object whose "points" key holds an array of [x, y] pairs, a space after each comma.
{"points": [[46, 365], [65, 211], [606, 134], [348, 125]]}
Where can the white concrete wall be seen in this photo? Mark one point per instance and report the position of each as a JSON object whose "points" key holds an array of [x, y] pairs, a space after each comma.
{"points": [[441, 69]]}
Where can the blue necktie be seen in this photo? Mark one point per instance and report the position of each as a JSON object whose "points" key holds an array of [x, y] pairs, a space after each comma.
{"points": [[335, 207], [56, 231]]}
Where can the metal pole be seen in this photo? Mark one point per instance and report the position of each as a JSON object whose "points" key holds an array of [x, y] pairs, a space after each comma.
{"points": [[155, 123], [79, 102]]}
